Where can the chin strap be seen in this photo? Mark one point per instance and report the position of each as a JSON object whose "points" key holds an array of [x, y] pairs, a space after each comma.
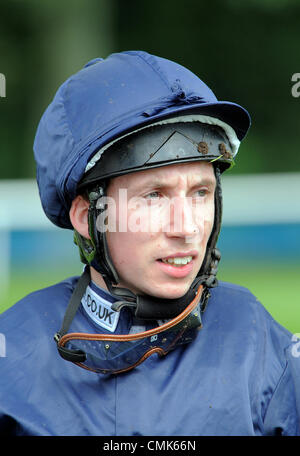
{"points": [[209, 279], [146, 307], [94, 251]]}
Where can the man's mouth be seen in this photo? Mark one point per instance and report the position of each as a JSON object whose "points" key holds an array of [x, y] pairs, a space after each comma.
{"points": [[177, 261], [179, 266]]}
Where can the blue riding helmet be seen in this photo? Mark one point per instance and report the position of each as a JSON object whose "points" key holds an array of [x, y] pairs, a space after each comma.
{"points": [[105, 100]]}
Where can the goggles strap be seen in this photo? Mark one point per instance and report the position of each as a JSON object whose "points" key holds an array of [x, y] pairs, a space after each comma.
{"points": [[74, 303]]}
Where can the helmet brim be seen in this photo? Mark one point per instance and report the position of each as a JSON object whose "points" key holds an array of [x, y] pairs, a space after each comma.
{"points": [[231, 113]]}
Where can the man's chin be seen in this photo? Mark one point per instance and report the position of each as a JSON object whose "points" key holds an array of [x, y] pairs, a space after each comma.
{"points": [[171, 291], [163, 290]]}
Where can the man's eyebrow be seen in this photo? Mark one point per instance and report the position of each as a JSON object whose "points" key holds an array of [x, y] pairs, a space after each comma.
{"points": [[207, 181], [153, 182]]}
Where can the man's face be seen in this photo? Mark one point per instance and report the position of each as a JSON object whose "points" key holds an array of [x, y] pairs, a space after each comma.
{"points": [[162, 219]]}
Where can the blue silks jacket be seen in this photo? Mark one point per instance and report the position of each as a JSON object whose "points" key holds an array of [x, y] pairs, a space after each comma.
{"points": [[240, 376]]}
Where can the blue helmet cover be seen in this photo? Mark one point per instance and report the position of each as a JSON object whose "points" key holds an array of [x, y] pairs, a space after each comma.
{"points": [[103, 101]]}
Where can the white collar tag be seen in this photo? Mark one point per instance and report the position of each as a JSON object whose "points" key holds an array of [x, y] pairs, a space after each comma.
{"points": [[99, 310]]}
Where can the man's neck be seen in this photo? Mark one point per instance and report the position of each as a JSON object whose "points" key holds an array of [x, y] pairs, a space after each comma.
{"points": [[97, 278]]}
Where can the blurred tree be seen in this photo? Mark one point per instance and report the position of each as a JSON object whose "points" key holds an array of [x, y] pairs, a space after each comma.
{"points": [[246, 52], [41, 44]]}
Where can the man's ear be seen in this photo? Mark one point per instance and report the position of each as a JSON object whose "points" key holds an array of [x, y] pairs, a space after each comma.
{"points": [[79, 215]]}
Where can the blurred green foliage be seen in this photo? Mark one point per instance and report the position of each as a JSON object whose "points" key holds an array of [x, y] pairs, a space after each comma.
{"points": [[245, 51]]}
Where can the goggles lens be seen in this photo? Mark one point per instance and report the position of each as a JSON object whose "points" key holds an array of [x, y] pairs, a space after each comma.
{"points": [[105, 353]]}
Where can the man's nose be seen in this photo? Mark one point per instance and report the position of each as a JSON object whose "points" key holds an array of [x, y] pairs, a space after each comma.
{"points": [[183, 222]]}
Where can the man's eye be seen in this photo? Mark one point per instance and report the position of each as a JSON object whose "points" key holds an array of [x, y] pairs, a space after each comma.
{"points": [[201, 192], [153, 195]]}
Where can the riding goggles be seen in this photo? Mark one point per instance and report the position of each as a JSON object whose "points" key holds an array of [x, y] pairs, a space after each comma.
{"points": [[113, 354]]}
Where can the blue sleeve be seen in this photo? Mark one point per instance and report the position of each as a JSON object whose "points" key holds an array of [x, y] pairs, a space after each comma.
{"points": [[283, 413]]}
